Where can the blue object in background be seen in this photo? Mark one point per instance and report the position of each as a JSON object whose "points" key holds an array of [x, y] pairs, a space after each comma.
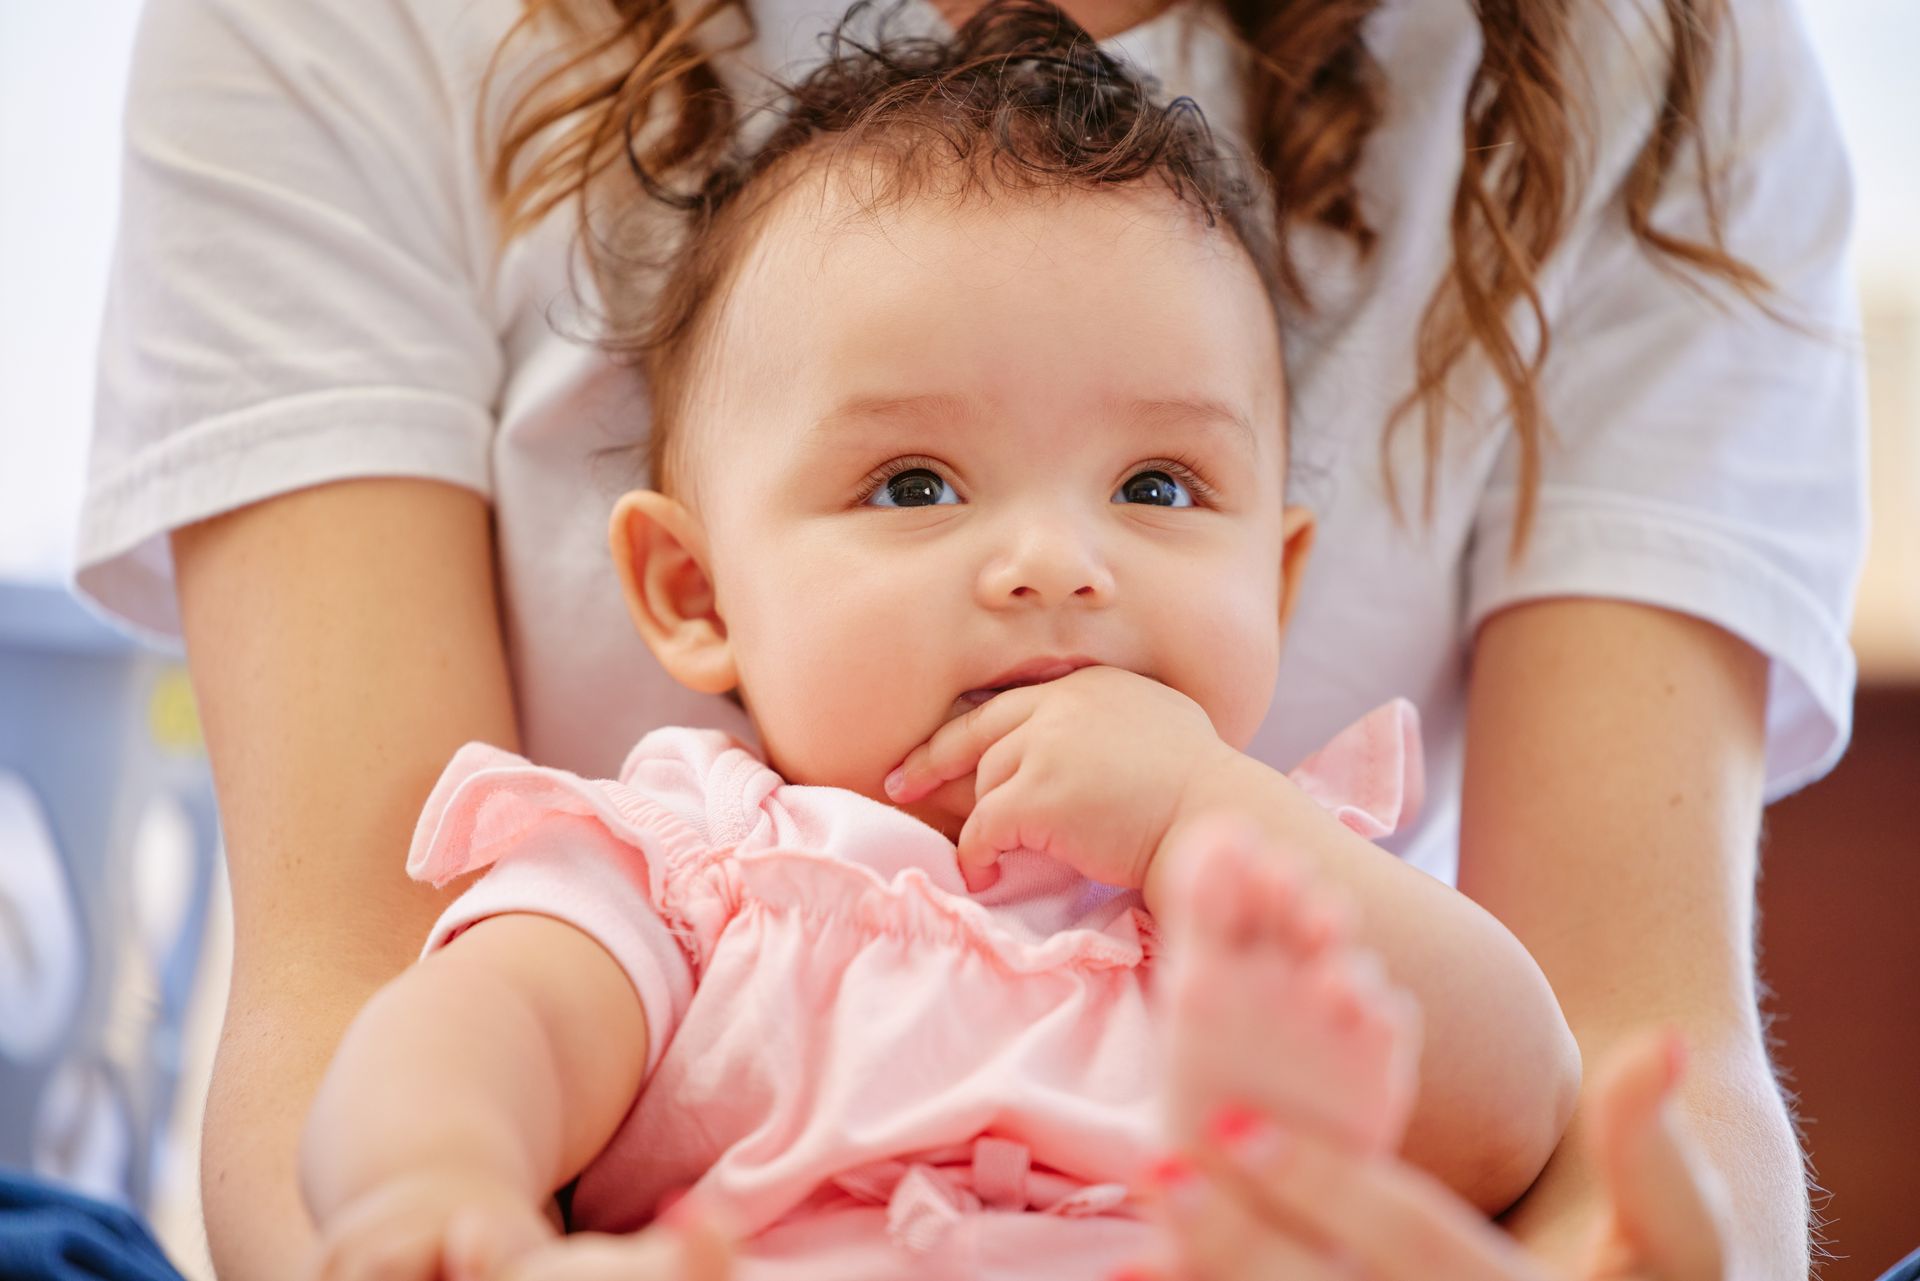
{"points": [[108, 857], [50, 1234]]}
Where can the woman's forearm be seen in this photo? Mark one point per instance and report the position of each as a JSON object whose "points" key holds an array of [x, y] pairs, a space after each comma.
{"points": [[344, 642], [1499, 1071], [1630, 744], [269, 1061], [285, 1015], [1734, 1112]]}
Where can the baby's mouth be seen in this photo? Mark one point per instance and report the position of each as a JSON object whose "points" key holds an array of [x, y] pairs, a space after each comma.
{"points": [[974, 698], [1038, 674]]}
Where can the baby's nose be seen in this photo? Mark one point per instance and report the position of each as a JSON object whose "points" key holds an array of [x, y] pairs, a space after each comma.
{"points": [[1051, 567]]}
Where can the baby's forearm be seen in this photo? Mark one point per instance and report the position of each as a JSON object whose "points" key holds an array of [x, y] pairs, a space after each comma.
{"points": [[443, 1070], [1499, 1068]]}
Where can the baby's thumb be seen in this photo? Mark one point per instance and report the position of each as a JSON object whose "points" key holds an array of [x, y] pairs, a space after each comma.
{"points": [[1667, 1202], [481, 1242]]}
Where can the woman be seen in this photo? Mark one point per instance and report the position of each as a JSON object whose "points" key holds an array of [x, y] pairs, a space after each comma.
{"points": [[347, 446]]}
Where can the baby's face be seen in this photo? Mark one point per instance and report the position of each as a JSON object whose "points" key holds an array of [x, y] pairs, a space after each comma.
{"points": [[939, 445]]}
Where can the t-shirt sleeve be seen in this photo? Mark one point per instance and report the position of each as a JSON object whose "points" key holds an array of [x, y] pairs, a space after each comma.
{"points": [[297, 289], [1709, 458]]}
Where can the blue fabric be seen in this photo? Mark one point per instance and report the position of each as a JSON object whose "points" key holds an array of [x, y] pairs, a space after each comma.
{"points": [[1908, 1269], [49, 1233]]}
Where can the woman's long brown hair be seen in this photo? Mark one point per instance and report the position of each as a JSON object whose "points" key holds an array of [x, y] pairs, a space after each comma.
{"points": [[628, 85]]}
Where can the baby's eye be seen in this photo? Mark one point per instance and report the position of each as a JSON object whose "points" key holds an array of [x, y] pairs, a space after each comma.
{"points": [[1155, 488], [915, 487]]}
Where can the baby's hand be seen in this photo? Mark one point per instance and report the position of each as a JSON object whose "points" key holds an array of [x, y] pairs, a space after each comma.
{"points": [[680, 1247], [1090, 768], [430, 1227]]}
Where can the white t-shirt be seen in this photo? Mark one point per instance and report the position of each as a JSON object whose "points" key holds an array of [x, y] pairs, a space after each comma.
{"points": [[303, 291]]}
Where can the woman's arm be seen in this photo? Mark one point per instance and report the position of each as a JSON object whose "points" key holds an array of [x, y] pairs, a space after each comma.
{"points": [[509, 1055], [1499, 1070], [1611, 811], [344, 641]]}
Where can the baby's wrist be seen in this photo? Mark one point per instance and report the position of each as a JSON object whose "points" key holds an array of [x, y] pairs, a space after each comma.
{"points": [[1228, 781]]}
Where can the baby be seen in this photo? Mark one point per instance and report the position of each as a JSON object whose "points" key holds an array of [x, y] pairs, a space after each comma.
{"points": [[968, 458]]}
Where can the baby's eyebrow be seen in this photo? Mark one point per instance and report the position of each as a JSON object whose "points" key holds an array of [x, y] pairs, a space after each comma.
{"points": [[948, 407], [925, 407], [1185, 411]]}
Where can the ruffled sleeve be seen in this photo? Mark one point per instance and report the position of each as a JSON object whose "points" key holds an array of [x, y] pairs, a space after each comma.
{"points": [[600, 855], [1371, 775]]}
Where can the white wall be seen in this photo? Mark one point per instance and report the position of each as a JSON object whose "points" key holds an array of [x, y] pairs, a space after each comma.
{"points": [[1869, 47], [62, 63]]}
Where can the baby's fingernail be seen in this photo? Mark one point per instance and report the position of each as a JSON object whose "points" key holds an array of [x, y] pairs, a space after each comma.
{"points": [[1171, 1169], [894, 781], [1676, 1056], [1177, 1180], [1249, 1136]]}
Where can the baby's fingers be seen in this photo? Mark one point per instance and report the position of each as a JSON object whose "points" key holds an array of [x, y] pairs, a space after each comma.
{"points": [[1669, 1205], [1396, 1221], [699, 1252], [480, 1242], [1220, 1235], [993, 828], [957, 746], [405, 1253]]}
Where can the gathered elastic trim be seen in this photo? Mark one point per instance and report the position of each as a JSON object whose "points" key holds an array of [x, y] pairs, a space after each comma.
{"points": [[479, 772], [821, 888]]}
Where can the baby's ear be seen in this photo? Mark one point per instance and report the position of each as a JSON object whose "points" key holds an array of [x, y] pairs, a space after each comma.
{"points": [[660, 553], [1296, 534]]}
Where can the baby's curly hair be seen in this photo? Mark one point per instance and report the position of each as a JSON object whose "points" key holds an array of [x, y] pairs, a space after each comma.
{"points": [[1020, 99]]}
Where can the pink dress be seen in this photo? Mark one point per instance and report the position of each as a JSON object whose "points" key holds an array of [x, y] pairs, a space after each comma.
{"points": [[874, 1073]]}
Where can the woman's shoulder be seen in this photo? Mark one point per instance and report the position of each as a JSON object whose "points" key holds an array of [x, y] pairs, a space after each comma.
{"points": [[381, 43]]}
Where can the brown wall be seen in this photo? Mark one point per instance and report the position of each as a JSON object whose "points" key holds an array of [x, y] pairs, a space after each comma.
{"points": [[1840, 946]]}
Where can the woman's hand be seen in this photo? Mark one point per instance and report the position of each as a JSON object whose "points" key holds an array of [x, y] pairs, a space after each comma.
{"points": [[1090, 768], [430, 1226], [682, 1247], [1295, 1205]]}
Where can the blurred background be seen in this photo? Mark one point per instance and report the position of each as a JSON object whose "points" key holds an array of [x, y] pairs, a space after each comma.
{"points": [[114, 926]]}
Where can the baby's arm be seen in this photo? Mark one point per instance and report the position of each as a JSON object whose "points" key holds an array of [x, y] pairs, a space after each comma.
{"points": [[1499, 1070], [492, 1071]]}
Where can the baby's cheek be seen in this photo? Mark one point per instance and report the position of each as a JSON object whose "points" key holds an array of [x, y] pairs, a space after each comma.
{"points": [[1235, 680]]}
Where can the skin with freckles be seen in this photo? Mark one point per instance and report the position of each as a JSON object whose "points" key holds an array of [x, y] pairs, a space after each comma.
{"points": [[952, 440]]}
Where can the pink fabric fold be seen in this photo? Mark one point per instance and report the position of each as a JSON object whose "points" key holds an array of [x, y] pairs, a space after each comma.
{"points": [[1371, 775], [824, 999]]}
